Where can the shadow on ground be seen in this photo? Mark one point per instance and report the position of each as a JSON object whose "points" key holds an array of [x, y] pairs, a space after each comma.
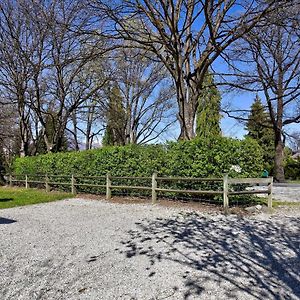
{"points": [[243, 258], [6, 199], [6, 221]]}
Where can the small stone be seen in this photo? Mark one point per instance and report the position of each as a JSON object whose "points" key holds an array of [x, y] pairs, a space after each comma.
{"points": [[251, 209]]}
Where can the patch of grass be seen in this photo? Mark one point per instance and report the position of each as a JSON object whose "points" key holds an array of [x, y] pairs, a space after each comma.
{"points": [[293, 181], [13, 196], [285, 203]]}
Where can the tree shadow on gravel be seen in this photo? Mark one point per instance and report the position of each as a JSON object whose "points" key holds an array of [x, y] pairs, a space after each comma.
{"points": [[245, 257]]}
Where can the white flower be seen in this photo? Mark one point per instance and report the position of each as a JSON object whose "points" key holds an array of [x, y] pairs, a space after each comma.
{"points": [[236, 168]]}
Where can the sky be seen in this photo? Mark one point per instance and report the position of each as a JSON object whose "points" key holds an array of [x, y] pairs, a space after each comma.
{"points": [[243, 100]]}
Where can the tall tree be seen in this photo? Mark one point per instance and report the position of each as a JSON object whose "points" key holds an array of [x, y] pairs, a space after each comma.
{"points": [[115, 120], [9, 135], [269, 62], [16, 44], [187, 36], [259, 127], [208, 112]]}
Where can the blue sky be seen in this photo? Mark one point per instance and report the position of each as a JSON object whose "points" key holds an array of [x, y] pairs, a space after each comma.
{"points": [[243, 100]]}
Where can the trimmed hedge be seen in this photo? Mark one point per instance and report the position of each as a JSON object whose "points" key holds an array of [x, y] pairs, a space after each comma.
{"points": [[194, 158]]}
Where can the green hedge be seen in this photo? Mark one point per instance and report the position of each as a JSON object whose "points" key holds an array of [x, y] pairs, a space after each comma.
{"points": [[190, 158]]}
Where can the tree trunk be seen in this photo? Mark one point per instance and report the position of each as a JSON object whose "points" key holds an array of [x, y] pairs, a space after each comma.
{"points": [[23, 124], [75, 133], [24, 147], [187, 103], [278, 160], [49, 145], [187, 130]]}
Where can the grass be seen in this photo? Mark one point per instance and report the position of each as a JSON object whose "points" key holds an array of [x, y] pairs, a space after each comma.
{"points": [[13, 196], [285, 203], [293, 181]]}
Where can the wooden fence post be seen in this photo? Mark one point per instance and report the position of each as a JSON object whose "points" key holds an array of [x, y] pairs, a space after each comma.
{"points": [[270, 195], [108, 186], [10, 180], [225, 193], [154, 187], [26, 182], [47, 183], [73, 187]]}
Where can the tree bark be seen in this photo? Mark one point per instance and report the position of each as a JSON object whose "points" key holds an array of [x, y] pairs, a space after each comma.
{"points": [[279, 158], [188, 101]]}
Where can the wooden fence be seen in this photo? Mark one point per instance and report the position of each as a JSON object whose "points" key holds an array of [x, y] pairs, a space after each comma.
{"points": [[155, 185]]}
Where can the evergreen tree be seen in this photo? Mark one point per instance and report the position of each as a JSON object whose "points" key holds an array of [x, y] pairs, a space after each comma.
{"points": [[259, 127], [208, 113], [115, 118]]}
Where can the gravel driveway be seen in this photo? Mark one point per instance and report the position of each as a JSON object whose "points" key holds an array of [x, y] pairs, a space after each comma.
{"points": [[287, 193], [82, 249]]}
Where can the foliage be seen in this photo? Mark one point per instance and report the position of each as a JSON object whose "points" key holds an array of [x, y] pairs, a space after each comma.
{"points": [[208, 112], [196, 158], [11, 197], [115, 128], [292, 168], [260, 128]]}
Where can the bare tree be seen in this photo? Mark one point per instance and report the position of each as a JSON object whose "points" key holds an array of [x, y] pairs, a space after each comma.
{"points": [[87, 121], [67, 53], [269, 62], [9, 137], [147, 94], [187, 36], [16, 44]]}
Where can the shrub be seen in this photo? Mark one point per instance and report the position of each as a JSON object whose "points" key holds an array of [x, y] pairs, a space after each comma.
{"points": [[194, 158], [292, 168]]}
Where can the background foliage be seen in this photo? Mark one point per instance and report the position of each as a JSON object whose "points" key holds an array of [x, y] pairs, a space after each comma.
{"points": [[292, 168], [259, 128]]}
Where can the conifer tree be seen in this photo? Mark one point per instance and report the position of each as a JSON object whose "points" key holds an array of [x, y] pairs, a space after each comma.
{"points": [[115, 119], [259, 127], [208, 112]]}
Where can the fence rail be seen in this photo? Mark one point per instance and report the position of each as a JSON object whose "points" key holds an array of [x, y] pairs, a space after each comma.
{"points": [[154, 188]]}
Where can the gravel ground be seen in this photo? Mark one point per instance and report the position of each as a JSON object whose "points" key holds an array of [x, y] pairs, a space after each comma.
{"points": [[83, 249], [287, 193]]}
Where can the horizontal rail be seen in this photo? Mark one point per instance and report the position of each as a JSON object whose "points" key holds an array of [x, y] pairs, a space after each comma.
{"points": [[249, 180], [57, 176], [33, 175], [57, 183], [90, 185], [133, 187], [129, 177], [188, 179], [36, 181], [190, 191], [249, 192], [93, 177]]}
